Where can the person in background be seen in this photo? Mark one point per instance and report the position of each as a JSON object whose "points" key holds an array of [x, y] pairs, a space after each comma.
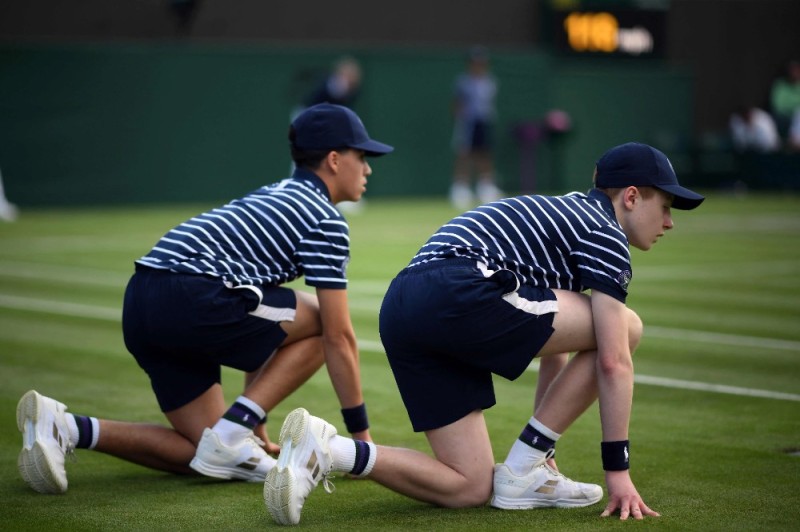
{"points": [[785, 99], [8, 211], [753, 129], [341, 86], [475, 115]]}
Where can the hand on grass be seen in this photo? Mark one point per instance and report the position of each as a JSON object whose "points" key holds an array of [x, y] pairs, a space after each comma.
{"points": [[271, 448], [622, 496]]}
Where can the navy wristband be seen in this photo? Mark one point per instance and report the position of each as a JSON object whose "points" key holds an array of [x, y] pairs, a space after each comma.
{"points": [[355, 418], [615, 455]]}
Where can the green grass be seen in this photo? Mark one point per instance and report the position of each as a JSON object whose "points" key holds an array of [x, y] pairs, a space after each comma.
{"points": [[720, 297]]}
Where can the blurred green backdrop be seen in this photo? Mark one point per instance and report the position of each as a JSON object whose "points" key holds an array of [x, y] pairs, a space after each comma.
{"points": [[142, 122]]}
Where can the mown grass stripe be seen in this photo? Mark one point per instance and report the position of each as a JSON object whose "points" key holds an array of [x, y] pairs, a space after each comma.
{"points": [[107, 314]]}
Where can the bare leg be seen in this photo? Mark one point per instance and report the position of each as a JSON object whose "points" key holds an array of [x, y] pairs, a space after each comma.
{"points": [[571, 394], [171, 449], [549, 368], [285, 372], [484, 165], [160, 447], [460, 475], [154, 446], [575, 387], [461, 168], [296, 361]]}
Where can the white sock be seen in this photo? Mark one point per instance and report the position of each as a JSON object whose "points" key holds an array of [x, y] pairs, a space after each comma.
{"points": [[344, 451], [230, 432], [535, 423], [72, 429], [522, 457], [74, 433], [252, 405]]}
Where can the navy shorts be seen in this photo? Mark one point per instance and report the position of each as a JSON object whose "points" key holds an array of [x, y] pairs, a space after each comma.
{"points": [[447, 326], [472, 135], [481, 136], [183, 328]]}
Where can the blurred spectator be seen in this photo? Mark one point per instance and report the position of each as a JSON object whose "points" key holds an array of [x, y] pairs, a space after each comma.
{"points": [[341, 86], [8, 211], [785, 99], [475, 116], [753, 129], [793, 140]]}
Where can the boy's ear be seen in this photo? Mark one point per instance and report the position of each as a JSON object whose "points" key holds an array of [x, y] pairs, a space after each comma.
{"points": [[630, 196], [331, 161]]}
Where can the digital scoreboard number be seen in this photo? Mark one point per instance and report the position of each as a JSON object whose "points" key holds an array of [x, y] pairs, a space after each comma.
{"points": [[609, 32]]}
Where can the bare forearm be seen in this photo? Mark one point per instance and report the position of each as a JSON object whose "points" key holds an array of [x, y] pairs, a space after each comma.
{"points": [[341, 357], [615, 388]]}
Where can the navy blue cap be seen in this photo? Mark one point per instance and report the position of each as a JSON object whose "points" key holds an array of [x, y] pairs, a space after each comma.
{"points": [[639, 165], [326, 126]]}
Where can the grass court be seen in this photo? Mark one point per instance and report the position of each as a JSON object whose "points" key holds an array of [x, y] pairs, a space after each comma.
{"points": [[715, 430]]}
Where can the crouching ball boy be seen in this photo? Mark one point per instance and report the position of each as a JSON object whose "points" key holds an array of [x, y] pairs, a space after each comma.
{"points": [[490, 290], [210, 294]]}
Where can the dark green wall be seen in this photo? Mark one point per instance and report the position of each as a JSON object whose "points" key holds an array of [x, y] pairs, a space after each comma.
{"points": [[99, 124]]}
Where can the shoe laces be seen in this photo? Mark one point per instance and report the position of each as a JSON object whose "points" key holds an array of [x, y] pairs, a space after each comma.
{"points": [[327, 483], [69, 453], [543, 463]]}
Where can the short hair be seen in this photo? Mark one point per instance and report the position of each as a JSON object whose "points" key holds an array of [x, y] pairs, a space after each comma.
{"points": [[308, 159], [645, 190]]}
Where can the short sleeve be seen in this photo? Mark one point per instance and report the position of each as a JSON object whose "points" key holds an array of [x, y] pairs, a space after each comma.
{"points": [[324, 254], [604, 262]]}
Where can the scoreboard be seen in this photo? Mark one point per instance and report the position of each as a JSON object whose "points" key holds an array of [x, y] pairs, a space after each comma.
{"points": [[627, 28]]}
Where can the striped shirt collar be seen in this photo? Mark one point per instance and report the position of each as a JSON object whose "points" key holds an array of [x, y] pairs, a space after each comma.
{"points": [[313, 179], [604, 200]]}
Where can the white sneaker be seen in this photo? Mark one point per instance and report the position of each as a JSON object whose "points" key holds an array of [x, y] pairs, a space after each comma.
{"points": [[245, 461], [305, 459], [45, 442], [543, 487], [8, 211], [488, 192], [461, 196]]}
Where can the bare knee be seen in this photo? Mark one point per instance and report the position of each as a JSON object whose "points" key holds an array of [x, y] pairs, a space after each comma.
{"points": [[472, 495], [474, 490], [635, 330]]}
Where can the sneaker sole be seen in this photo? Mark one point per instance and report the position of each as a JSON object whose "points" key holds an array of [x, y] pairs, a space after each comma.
{"points": [[280, 483], [33, 463], [530, 504], [224, 473]]}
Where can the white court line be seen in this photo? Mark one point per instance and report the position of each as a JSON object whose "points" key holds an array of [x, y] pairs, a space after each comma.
{"points": [[60, 308], [107, 314], [720, 338]]}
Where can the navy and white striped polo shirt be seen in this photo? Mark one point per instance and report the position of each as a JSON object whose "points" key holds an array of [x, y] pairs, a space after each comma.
{"points": [[570, 242], [269, 237]]}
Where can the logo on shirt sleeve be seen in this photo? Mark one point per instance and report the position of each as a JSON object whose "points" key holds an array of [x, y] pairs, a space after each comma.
{"points": [[624, 279]]}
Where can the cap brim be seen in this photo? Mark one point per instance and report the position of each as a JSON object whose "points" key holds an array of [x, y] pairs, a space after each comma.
{"points": [[683, 198], [373, 148]]}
